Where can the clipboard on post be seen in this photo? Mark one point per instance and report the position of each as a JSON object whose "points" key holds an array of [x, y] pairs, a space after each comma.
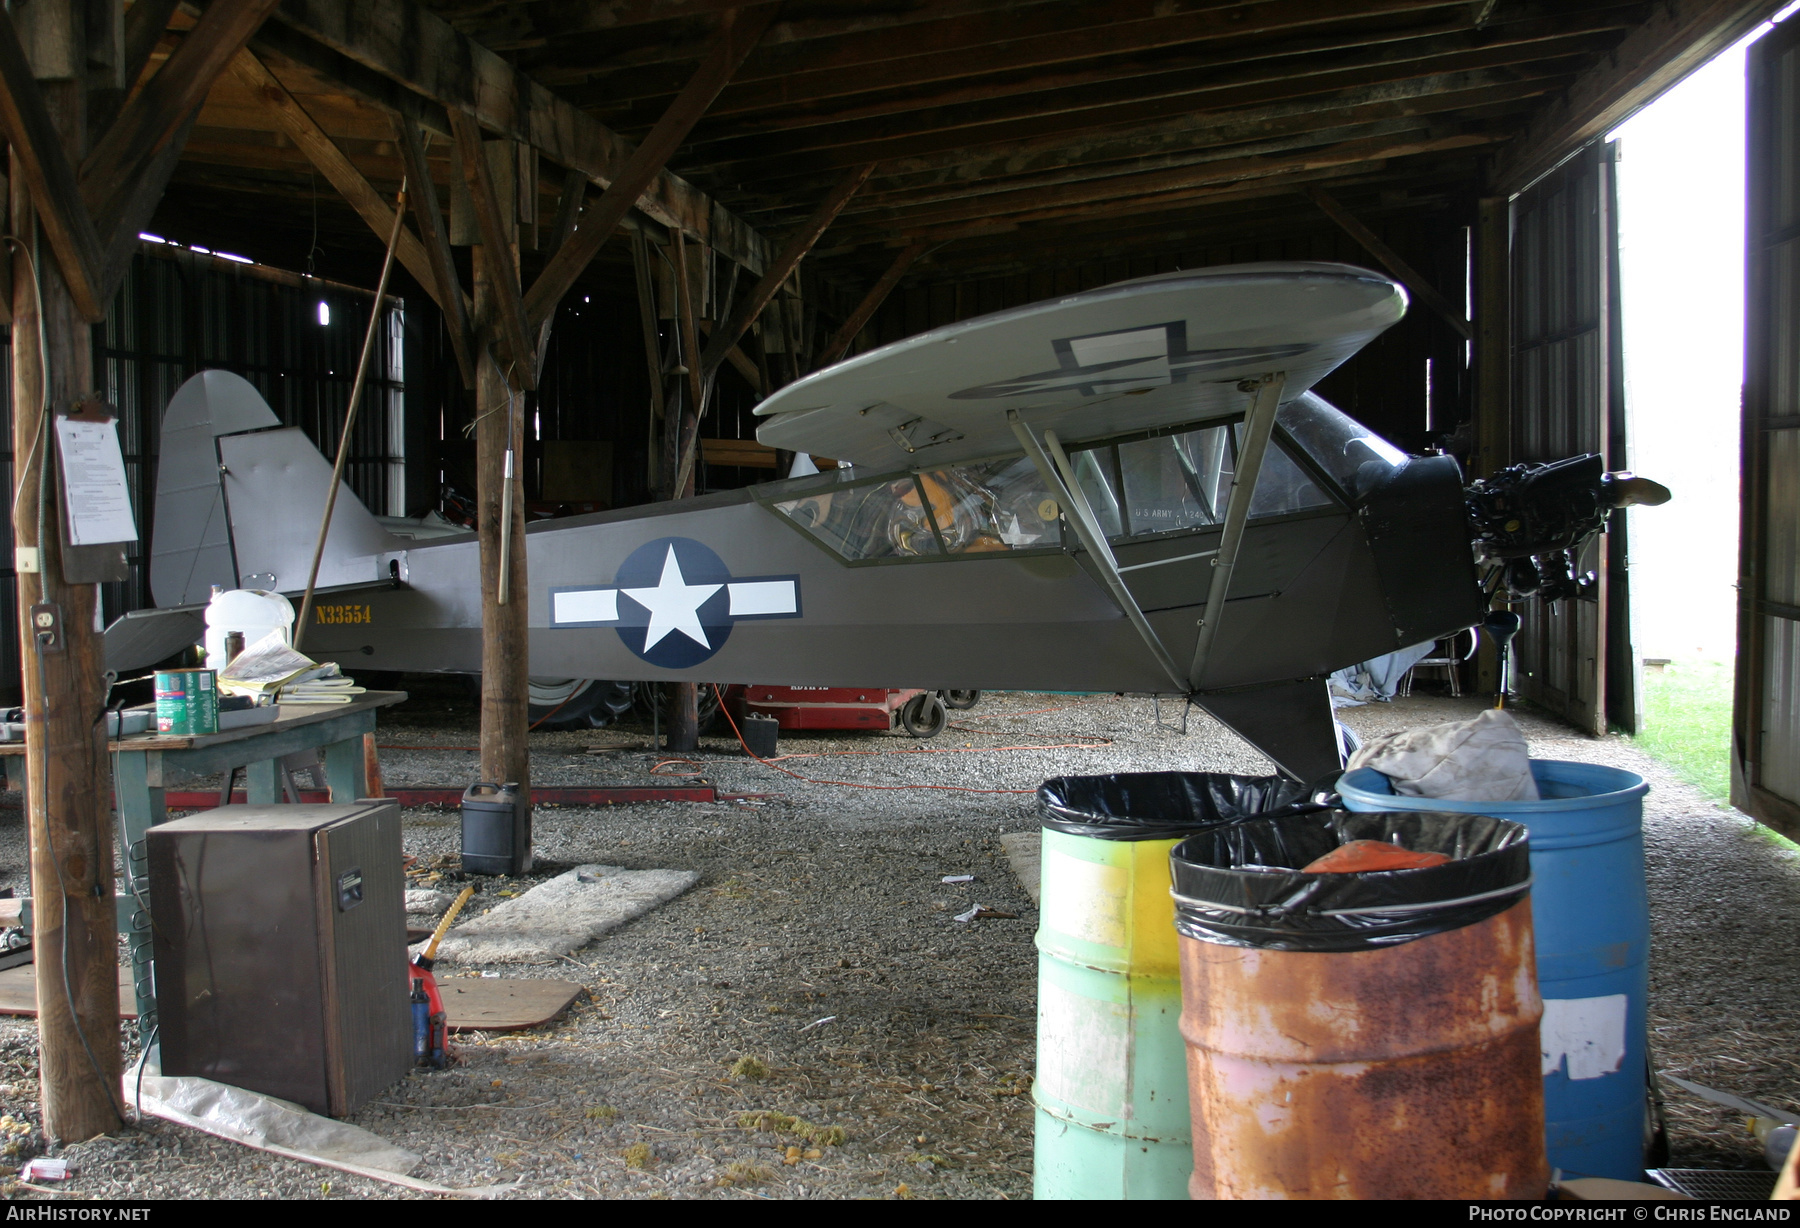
{"points": [[97, 519]]}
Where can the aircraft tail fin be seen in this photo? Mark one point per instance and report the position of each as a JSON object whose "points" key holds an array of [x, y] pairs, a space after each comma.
{"points": [[238, 504], [275, 483], [191, 548]]}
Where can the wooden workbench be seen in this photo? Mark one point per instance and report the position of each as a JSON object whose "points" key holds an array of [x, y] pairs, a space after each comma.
{"points": [[145, 765]]}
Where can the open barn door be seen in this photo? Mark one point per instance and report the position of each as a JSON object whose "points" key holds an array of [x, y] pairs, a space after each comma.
{"points": [[1765, 734], [1568, 399]]}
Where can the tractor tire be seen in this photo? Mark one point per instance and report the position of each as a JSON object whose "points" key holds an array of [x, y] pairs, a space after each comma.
{"points": [[960, 701]]}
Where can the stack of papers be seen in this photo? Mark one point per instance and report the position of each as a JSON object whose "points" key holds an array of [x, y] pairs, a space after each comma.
{"points": [[322, 685], [265, 667]]}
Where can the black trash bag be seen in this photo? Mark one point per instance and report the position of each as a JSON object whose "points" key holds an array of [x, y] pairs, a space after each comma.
{"points": [[1278, 908], [1162, 805]]}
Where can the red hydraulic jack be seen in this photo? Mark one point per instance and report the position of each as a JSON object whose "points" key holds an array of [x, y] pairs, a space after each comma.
{"points": [[431, 1023]]}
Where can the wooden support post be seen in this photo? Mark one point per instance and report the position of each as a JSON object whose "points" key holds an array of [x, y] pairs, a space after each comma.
{"points": [[872, 301], [74, 919], [1423, 290], [498, 220], [684, 709], [500, 426], [41, 160]]}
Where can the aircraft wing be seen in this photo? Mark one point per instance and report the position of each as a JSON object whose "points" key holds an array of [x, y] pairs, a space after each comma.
{"points": [[1127, 357]]}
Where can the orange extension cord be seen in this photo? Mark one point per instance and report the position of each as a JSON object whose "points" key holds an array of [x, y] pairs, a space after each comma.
{"points": [[656, 769]]}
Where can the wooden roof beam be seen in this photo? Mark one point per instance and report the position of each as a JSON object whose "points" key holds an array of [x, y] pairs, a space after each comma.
{"points": [[1391, 129], [38, 157], [167, 101], [1011, 68], [1390, 260], [821, 150], [1046, 203], [320, 150], [1184, 134], [792, 253], [1676, 38], [401, 41], [872, 301], [501, 252], [734, 43], [1020, 36], [445, 283]]}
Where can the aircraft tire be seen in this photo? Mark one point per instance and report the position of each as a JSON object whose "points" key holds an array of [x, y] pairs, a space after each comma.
{"points": [[924, 716], [960, 701], [577, 703]]}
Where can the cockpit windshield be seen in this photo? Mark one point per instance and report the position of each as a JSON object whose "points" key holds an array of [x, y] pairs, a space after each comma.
{"points": [[1139, 488], [1352, 455]]}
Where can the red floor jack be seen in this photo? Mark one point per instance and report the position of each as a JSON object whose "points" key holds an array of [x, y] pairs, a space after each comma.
{"points": [[923, 714], [431, 1031]]}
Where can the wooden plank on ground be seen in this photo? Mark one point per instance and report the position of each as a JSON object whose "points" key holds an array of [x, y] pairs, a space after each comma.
{"points": [[18, 992], [479, 1004]]}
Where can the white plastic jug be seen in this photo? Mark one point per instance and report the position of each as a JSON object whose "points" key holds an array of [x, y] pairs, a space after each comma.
{"points": [[251, 611]]}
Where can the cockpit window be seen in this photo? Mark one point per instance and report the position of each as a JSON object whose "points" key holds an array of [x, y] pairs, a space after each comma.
{"points": [[1183, 481], [963, 509], [1352, 455], [997, 505]]}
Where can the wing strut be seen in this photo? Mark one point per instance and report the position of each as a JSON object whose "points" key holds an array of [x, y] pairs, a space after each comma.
{"points": [[1257, 429], [1087, 527]]}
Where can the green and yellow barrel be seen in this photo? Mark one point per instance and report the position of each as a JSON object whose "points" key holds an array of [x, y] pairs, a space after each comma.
{"points": [[1111, 1087]]}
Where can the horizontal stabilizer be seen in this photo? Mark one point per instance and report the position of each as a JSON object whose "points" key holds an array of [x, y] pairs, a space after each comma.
{"points": [[144, 638]]}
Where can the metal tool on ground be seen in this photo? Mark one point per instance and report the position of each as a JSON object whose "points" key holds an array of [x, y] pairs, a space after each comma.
{"points": [[1774, 1128], [431, 1045]]}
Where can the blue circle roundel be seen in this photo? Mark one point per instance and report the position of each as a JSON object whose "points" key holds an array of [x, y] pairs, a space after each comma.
{"points": [[674, 607]]}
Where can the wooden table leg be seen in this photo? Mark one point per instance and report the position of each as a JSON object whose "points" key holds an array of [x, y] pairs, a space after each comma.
{"points": [[262, 782], [345, 769]]}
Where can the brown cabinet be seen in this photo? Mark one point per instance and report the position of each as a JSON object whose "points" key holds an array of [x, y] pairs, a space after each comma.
{"points": [[280, 938]]}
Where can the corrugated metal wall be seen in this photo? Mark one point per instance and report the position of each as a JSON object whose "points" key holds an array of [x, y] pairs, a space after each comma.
{"points": [[181, 312], [1766, 718], [1564, 313]]}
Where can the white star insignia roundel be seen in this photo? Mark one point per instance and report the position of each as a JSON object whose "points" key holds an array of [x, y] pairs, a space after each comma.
{"points": [[674, 604], [679, 604]]}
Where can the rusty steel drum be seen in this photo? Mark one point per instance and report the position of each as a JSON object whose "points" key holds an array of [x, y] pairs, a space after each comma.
{"points": [[1407, 1071]]}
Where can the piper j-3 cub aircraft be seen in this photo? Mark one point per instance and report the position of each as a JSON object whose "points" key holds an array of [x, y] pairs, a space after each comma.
{"points": [[1127, 489]]}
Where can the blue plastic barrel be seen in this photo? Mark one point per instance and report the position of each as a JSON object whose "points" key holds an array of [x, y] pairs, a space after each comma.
{"points": [[1592, 916]]}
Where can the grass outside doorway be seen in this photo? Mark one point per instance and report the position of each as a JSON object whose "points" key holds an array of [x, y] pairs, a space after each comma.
{"points": [[1687, 722]]}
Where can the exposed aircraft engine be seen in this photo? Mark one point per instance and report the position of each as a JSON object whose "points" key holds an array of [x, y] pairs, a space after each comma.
{"points": [[1530, 520]]}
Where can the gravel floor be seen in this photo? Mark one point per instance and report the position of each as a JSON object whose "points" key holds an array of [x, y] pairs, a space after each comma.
{"points": [[814, 986]]}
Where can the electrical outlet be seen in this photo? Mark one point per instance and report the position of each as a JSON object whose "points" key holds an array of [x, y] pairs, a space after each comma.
{"points": [[47, 626]]}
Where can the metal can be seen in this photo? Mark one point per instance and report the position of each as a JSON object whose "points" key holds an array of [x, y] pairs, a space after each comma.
{"points": [[187, 702]]}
